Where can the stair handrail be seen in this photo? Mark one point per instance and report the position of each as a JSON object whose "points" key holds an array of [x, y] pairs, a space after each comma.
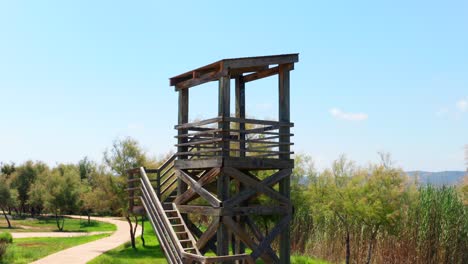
{"points": [[160, 210]]}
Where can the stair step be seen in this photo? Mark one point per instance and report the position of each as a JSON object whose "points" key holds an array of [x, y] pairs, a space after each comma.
{"points": [[191, 248], [185, 240], [183, 232], [170, 211], [173, 218], [177, 225]]}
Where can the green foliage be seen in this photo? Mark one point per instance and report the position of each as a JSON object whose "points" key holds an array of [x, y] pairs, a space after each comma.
{"points": [[6, 238]]}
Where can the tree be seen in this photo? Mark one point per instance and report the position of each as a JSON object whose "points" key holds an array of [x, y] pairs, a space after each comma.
{"points": [[6, 199], [23, 178], [380, 202], [335, 192], [8, 169], [124, 155], [86, 167], [63, 192]]}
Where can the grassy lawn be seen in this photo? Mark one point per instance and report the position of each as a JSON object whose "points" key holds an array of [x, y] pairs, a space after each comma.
{"points": [[152, 253], [47, 224], [26, 250], [125, 254]]}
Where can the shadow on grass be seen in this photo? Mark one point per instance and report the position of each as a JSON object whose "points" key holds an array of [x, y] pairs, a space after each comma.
{"points": [[138, 253]]}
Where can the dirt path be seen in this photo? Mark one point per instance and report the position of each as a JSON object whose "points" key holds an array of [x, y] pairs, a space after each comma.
{"points": [[56, 234], [86, 252]]}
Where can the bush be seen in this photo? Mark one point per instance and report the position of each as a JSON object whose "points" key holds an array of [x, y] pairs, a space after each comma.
{"points": [[6, 238], [3, 248]]}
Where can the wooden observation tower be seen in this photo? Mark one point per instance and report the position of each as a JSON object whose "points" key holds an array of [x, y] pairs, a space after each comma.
{"points": [[229, 172]]}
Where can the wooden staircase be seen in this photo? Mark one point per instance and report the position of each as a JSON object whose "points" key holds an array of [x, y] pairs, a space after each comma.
{"points": [[156, 197]]}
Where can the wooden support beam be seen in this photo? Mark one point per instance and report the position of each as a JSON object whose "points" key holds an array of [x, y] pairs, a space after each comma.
{"points": [[285, 183], [255, 184], [240, 112], [208, 234], [245, 237], [195, 186], [199, 210], [190, 194], [251, 190], [182, 119]]}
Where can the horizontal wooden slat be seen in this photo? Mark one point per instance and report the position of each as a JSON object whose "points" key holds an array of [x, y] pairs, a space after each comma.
{"points": [[199, 123]]}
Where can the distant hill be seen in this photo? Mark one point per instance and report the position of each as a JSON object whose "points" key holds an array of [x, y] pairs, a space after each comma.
{"points": [[438, 178]]}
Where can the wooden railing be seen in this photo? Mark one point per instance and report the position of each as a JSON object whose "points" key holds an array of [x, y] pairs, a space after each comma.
{"points": [[245, 137], [165, 220]]}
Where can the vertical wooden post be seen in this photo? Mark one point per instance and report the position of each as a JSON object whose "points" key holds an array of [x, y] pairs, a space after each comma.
{"points": [[240, 112], [239, 246], [224, 110], [182, 119], [285, 184]]}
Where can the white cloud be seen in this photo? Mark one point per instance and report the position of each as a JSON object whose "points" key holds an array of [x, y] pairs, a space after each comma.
{"points": [[337, 113], [442, 112], [462, 105]]}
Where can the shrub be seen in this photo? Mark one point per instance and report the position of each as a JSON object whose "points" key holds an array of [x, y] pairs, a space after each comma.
{"points": [[6, 238]]}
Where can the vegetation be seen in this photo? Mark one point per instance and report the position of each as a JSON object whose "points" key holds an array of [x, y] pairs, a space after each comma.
{"points": [[376, 215], [5, 240], [48, 224], [26, 250], [347, 213], [152, 253]]}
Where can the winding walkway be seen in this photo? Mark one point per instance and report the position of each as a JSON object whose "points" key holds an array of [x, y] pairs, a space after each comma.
{"points": [[83, 253]]}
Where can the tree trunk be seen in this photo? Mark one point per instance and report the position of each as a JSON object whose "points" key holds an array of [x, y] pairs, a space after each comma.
{"points": [[143, 231], [371, 245], [132, 233], [6, 218], [348, 248], [57, 220]]}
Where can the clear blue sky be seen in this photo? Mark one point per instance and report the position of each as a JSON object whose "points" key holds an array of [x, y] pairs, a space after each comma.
{"points": [[372, 76]]}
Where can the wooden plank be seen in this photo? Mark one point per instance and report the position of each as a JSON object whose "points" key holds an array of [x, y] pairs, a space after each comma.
{"points": [[259, 61], [199, 210], [240, 112], [285, 183], [255, 210], [206, 132], [214, 162], [245, 237], [199, 123], [222, 231], [266, 242], [195, 143], [199, 152], [224, 110], [255, 184], [210, 198], [257, 163], [259, 122], [250, 191], [207, 77], [239, 71], [207, 178], [208, 234], [259, 236]]}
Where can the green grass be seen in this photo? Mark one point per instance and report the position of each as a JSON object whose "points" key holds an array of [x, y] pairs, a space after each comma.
{"points": [[152, 253], [125, 254], [47, 224], [26, 250]]}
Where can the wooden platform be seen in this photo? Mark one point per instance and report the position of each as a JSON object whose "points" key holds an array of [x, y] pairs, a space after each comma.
{"points": [[246, 163]]}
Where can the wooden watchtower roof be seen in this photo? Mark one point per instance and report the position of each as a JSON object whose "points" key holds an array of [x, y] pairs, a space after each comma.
{"points": [[258, 67]]}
